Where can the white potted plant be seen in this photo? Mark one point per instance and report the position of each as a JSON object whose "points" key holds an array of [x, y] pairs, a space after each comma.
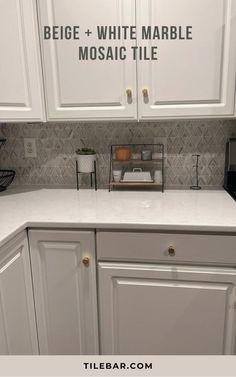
{"points": [[86, 158]]}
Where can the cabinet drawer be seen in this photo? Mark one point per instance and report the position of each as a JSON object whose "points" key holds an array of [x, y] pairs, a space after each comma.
{"points": [[155, 247]]}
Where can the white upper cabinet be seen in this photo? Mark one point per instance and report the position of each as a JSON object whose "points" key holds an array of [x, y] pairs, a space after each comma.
{"points": [[192, 77], [20, 66], [93, 89]]}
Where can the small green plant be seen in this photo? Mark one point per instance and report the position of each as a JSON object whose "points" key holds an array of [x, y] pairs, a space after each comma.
{"points": [[85, 151]]}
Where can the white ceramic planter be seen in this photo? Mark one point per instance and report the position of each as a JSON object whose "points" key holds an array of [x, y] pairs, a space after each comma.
{"points": [[86, 163]]}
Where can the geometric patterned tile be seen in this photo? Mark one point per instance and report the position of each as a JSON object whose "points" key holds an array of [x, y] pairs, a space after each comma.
{"points": [[56, 144]]}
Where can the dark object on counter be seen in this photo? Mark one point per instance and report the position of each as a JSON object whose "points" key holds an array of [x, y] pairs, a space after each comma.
{"points": [[196, 187], [2, 142], [230, 168], [6, 178]]}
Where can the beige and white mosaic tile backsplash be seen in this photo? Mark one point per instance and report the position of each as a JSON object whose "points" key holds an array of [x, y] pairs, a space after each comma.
{"points": [[56, 144]]}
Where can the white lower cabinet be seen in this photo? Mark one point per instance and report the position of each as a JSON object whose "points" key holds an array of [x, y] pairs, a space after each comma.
{"points": [[18, 334], [159, 293], [166, 309], [64, 279]]}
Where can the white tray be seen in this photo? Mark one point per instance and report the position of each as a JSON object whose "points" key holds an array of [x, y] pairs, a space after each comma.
{"points": [[137, 176], [137, 180]]}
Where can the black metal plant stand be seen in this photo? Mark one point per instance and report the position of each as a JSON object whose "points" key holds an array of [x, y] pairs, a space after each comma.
{"points": [[93, 176]]}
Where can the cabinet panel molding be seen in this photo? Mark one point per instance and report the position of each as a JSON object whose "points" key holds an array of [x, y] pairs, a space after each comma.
{"points": [[93, 89], [65, 291], [18, 334], [192, 78], [153, 309], [21, 96]]}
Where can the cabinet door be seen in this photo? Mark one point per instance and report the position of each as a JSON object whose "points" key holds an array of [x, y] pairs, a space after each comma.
{"points": [[65, 291], [17, 318], [80, 89], [191, 78], [151, 309], [20, 68]]}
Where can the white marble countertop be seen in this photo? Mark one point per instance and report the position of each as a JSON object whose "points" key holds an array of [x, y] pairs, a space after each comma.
{"points": [[67, 208]]}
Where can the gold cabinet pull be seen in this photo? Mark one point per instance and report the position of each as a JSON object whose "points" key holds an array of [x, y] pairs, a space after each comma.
{"points": [[171, 251], [85, 261], [129, 93], [145, 93]]}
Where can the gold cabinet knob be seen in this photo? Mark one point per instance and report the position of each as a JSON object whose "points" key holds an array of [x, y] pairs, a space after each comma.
{"points": [[171, 251], [129, 93], [145, 93], [85, 261]]}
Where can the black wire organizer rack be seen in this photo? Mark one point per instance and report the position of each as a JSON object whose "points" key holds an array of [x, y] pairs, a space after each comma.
{"points": [[136, 162], [6, 176]]}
